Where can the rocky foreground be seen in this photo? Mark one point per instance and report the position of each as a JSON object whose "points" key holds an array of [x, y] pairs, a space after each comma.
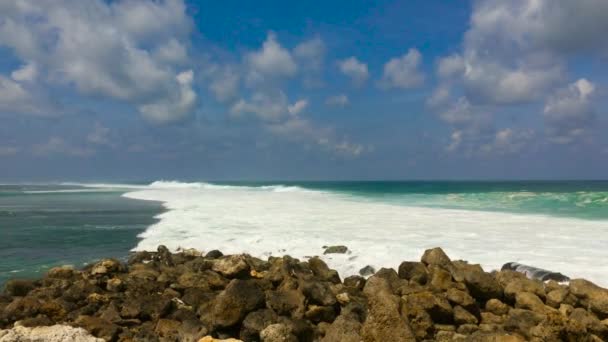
{"points": [[188, 297]]}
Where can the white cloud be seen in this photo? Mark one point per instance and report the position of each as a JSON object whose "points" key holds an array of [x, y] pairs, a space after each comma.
{"points": [[355, 69], [311, 56], [569, 111], [99, 135], [267, 106], [440, 96], [176, 107], [340, 100], [297, 107], [124, 50], [225, 84], [460, 112], [450, 66], [507, 141], [403, 72], [27, 73], [272, 61]]}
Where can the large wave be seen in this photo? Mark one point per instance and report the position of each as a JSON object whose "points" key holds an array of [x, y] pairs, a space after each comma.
{"points": [[279, 219]]}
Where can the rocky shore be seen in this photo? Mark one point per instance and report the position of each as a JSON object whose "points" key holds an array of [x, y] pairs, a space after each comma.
{"points": [[186, 296]]}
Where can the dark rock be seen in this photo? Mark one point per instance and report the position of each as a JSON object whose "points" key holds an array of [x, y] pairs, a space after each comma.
{"points": [[461, 298], [520, 320], [98, 327], [355, 282], [346, 328], [414, 271], [529, 301], [335, 250], [316, 313], [317, 292], [255, 322], [139, 257], [320, 269], [238, 299], [436, 306], [367, 271], [286, 302], [462, 316], [19, 287], [482, 285], [214, 254], [435, 256], [62, 272], [21, 307]]}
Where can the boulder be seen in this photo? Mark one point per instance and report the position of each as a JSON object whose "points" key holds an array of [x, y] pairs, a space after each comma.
{"points": [[345, 328], [414, 271], [461, 298], [436, 306], [19, 287], [214, 254], [435, 256], [255, 322], [335, 249], [99, 327], [62, 272], [462, 316], [54, 333], [384, 322], [320, 269], [231, 266], [367, 271], [529, 301], [238, 299], [482, 285], [278, 332], [591, 295], [286, 302], [497, 307]]}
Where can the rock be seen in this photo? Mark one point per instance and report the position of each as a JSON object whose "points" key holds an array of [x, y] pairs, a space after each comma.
{"points": [[414, 271], [114, 285], [168, 329], [440, 278], [490, 318], [346, 328], [239, 298], [437, 307], [383, 322], [355, 282], [316, 313], [107, 266], [231, 266], [589, 321], [482, 285], [255, 322], [529, 301], [98, 327], [320, 269], [163, 256], [278, 333], [21, 307], [367, 271], [462, 316], [497, 307], [461, 298], [335, 250], [212, 339], [214, 254], [467, 329], [18, 287], [343, 298], [420, 322], [61, 272], [558, 296], [286, 302], [517, 285], [317, 292], [520, 320], [591, 295], [435, 256], [54, 333]]}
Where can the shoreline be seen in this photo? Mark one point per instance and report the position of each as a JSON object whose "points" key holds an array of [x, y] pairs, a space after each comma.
{"points": [[188, 296]]}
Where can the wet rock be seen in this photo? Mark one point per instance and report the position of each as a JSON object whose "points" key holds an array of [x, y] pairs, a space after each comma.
{"points": [[316, 313], [414, 271], [18, 287], [384, 322], [231, 266], [239, 298], [214, 254], [482, 285], [355, 282], [278, 333], [435, 256], [367, 271], [335, 249], [320, 269], [286, 302], [497, 307]]}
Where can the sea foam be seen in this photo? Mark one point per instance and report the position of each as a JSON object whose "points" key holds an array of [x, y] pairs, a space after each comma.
{"points": [[277, 220]]}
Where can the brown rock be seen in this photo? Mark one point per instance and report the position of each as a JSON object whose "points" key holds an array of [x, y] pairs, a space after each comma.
{"points": [[286, 302], [239, 298], [591, 295], [18, 287], [62, 272], [436, 306], [461, 298], [231, 266], [521, 321], [346, 328], [414, 271], [168, 329], [490, 318], [481, 285], [383, 322], [497, 307], [435, 256], [316, 313], [255, 322], [529, 301], [98, 327], [517, 285], [320, 269], [462, 316], [440, 278], [278, 332]]}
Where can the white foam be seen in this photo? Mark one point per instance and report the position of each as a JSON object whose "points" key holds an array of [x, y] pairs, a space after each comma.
{"points": [[266, 222]]}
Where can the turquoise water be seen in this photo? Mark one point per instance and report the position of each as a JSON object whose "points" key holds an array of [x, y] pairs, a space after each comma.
{"points": [[46, 225], [40, 228]]}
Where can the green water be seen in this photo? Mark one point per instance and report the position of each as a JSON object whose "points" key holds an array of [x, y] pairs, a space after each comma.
{"points": [[42, 230]]}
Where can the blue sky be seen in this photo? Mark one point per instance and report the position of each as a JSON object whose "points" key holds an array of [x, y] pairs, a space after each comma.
{"points": [[150, 89]]}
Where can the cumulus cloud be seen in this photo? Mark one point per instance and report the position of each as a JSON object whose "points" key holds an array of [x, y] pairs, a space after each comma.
{"points": [[225, 83], [403, 72], [297, 107], [266, 106], [124, 50], [177, 106], [440, 96], [311, 56], [569, 111], [271, 62], [450, 66], [340, 100], [27, 73], [355, 69]]}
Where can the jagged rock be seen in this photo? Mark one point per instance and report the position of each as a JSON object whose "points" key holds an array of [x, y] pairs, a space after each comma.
{"points": [[54, 333], [286, 302], [591, 295], [231, 266], [18, 287], [255, 322], [529, 301], [367, 271], [335, 250], [440, 278], [462, 316], [460, 298], [518, 285], [356, 282], [239, 298], [383, 322], [318, 292], [107, 266], [497, 307], [98, 327], [435, 256], [437, 307], [278, 333], [316, 313], [414, 271], [482, 285], [320, 269], [520, 320], [62, 272], [346, 328], [214, 254], [490, 318]]}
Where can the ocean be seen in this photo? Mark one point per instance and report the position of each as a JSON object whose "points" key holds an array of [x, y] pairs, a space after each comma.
{"points": [[557, 225]]}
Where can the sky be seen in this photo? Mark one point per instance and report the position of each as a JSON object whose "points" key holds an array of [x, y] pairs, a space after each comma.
{"points": [[310, 90]]}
